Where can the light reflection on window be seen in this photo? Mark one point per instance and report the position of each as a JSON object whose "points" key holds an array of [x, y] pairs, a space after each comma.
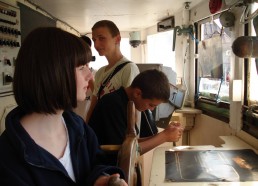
{"points": [[160, 49], [215, 45]]}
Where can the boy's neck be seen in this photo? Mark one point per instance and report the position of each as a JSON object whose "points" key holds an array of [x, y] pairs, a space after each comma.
{"points": [[112, 60]]}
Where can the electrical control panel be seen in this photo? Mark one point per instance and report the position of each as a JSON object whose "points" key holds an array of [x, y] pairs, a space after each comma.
{"points": [[10, 41]]}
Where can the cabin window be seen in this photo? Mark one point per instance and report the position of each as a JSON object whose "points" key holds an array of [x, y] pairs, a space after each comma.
{"points": [[253, 71], [159, 48], [213, 68], [250, 109], [252, 88]]}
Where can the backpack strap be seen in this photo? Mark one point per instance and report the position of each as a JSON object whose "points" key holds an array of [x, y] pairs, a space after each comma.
{"points": [[104, 83]]}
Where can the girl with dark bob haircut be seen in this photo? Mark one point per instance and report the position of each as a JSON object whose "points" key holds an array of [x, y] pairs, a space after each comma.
{"points": [[44, 78], [44, 142]]}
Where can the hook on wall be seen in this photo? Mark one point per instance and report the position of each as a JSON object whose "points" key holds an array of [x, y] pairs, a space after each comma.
{"points": [[179, 31]]}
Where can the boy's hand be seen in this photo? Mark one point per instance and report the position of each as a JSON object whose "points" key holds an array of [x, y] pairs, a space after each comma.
{"points": [[116, 181], [174, 132], [113, 180]]}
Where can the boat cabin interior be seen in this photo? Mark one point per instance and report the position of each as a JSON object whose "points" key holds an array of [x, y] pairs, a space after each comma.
{"points": [[207, 48]]}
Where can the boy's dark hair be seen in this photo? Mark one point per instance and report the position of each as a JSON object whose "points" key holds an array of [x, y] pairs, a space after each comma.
{"points": [[86, 39], [108, 24], [44, 77], [153, 83]]}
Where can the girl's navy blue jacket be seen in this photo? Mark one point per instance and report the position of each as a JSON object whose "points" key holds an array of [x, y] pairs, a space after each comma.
{"points": [[23, 162]]}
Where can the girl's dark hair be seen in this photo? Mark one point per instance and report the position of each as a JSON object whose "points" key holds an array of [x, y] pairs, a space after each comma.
{"points": [[153, 84], [44, 77]]}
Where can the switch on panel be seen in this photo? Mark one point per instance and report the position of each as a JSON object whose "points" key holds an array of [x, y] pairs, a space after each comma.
{"points": [[7, 79], [7, 62], [9, 45]]}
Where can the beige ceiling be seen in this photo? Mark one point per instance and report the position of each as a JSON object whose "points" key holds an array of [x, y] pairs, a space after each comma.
{"points": [[129, 15]]}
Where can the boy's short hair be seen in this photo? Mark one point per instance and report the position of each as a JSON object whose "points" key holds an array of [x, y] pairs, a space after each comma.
{"points": [[86, 39], [153, 83], [44, 77], [108, 24]]}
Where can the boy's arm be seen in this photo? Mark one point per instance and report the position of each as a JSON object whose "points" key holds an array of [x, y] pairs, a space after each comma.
{"points": [[170, 134]]}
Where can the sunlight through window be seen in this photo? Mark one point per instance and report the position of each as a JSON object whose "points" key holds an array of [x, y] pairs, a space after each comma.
{"points": [[160, 49]]}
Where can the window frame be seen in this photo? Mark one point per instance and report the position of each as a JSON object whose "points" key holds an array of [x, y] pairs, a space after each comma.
{"points": [[219, 110], [250, 122]]}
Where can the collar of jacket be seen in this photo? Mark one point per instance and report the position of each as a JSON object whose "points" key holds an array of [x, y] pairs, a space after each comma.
{"points": [[27, 148]]}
